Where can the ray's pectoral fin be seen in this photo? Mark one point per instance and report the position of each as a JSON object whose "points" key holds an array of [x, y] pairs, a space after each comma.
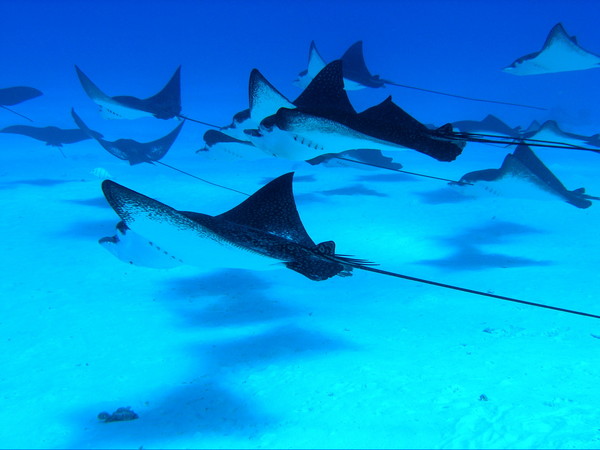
{"points": [[166, 104]]}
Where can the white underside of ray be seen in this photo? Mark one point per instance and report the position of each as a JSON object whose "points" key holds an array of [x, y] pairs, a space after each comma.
{"points": [[511, 186], [230, 151], [302, 81], [266, 102], [310, 137], [350, 85], [111, 109], [134, 249], [315, 65], [189, 242], [562, 55]]}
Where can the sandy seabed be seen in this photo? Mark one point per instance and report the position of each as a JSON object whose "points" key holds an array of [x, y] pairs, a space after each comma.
{"points": [[223, 358]]}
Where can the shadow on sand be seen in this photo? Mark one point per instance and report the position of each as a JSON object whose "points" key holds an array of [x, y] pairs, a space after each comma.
{"points": [[215, 400], [469, 255]]}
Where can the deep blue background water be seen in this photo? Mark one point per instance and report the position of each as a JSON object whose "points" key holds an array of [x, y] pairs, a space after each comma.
{"points": [[133, 47]]}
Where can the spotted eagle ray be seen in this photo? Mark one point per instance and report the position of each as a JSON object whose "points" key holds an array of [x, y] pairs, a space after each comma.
{"points": [[231, 141], [550, 130], [14, 95], [324, 121], [560, 53], [264, 228], [265, 100], [223, 147], [139, 152], [358, 76], [524, 175], [166, 104], [130, 150], [52, 136], [356, 71]]}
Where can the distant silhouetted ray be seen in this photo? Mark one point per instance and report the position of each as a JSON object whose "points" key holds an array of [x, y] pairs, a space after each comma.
{"points": [[52, 136], [15, 95], [358, 76], [130, 150]]}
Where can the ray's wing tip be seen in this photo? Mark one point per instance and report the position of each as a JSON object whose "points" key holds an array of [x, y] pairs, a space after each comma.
{"points": [[559, 25], [109, 187], [80, 74], [36, 92]]}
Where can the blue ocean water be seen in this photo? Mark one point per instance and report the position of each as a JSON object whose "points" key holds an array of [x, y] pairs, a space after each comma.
{"points": [[444, 45], [231, 358]]}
